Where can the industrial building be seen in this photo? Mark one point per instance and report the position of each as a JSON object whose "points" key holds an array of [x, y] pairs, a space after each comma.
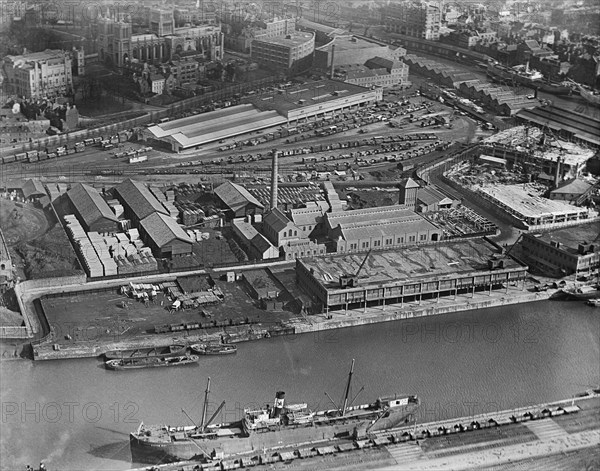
{"points": [[531, 146], [419, 19], [530, 211], [253, 242], [562, 253], [279, 107], [574, 191], [289, 54], [238, 201], [316, 99], [379, 228], [193, 131], [92, 210], [379, 278], [164, 236], [279, 229], [567, 124], [43, 74], [138, 201]]}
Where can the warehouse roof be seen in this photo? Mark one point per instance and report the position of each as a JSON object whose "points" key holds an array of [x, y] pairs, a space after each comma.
{"points": [[163, 229], [33, 188], [235, 196], [89, 204], [138, 197], [370, 215]]}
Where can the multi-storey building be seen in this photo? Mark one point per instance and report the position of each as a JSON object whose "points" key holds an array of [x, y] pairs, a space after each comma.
{"points": [[418, 19], [39, 74], [118, 45], [378, 72], [289, 53]]}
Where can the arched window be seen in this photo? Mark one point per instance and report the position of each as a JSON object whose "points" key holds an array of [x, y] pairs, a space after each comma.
{"points": [[284, 233]]}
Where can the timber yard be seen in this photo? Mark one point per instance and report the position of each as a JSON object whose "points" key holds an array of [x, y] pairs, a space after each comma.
{"points": [[376, 178]]}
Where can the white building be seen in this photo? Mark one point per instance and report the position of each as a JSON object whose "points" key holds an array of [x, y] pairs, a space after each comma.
{"points": [[39, 74]]}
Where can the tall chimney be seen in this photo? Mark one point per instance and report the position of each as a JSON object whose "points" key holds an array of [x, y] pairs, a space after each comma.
{"points": [[557, 173], [332, 69], [274, 177]]}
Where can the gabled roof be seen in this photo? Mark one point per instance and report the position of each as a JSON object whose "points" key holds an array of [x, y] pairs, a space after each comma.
{"points": [[163, 229], [138, 197], [431, 196], [235, 196], [408, 183], [89, 204], [33, 188], [576, 187], [277, 220]]}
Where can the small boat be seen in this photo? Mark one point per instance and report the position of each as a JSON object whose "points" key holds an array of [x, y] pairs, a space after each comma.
{"points": [[594, 302], [149, 362], [214, 349], [147, 352]]}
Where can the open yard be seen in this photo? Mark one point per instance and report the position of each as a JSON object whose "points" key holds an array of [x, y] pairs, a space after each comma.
{"points": [[112, 316]]}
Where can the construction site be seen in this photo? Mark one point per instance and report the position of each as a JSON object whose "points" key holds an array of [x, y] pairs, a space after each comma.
{"points": [[537, 180]]}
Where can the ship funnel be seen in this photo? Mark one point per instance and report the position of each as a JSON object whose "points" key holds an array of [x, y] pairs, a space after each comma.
{"points": [[278, 406]]}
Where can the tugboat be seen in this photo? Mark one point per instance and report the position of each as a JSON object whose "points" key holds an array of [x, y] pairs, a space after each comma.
{"points": [[264, 428]]}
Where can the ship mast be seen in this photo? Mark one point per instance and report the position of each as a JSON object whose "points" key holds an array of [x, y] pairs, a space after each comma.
{"points": [[347, 392], [204, 408]]}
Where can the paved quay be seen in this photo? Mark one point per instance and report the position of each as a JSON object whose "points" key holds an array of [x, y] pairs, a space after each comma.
{"points": [[540, 441], [240, 333]]}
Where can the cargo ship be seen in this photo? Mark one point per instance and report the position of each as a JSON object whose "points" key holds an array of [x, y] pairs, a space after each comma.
{"points": [[591, 96], [530, 78], [260, 429]]}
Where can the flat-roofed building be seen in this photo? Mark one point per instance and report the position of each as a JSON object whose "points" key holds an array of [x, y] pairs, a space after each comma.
{"points": [[530, 211], [417, 18], [562, 253], [290, 53], [92, 210], [39, 74], [164, 236], [409, 275]]}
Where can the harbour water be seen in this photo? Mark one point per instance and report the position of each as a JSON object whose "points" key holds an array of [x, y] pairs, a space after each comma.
{"points": [[75, 415]]}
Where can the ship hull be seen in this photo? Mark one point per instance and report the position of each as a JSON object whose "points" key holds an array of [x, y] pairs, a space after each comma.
{"points": [[508, 77], [154, 452]]}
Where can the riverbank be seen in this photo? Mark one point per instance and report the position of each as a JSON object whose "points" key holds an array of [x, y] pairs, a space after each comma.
{"points": [[298, 325]]}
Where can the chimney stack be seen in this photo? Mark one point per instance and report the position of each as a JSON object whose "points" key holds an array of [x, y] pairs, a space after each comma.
{"points": [[332, 69], [557, 173], [274, 180]]}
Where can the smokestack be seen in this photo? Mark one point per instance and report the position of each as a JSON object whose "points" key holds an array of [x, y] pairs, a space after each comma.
{"points": [[274, 182], [557, 173], [332, 70], [278, 406]]}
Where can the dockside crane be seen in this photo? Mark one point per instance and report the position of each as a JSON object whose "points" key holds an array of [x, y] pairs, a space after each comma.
{"points": [[349, 280]]}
